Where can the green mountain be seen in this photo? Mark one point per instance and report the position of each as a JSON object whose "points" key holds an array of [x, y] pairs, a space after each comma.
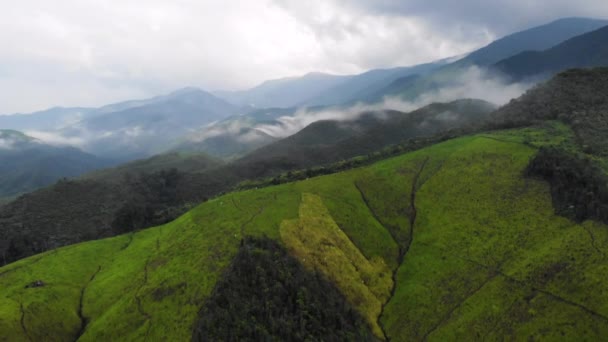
{"points": [[102, 203], [27, 164], [134, 200], [485, 236], [329, 141], [425, 245], [587, 50]]}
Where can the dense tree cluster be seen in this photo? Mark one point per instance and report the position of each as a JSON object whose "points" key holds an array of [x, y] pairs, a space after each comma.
{"points": [[578, 187], [570, 96], [267, 295]]}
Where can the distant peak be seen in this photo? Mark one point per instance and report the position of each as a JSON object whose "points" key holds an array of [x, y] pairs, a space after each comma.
{"points": [[186, 90]]}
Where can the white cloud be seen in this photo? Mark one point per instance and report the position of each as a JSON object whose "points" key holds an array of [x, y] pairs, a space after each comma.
{"points": [[88, 53], [57, 139], [92, 52]]}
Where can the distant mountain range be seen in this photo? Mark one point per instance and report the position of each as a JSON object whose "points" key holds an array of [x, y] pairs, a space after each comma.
{"points": [[126, 130], [231, 124], [584, 51], [147, 129], [318, 89], [535, 39]]}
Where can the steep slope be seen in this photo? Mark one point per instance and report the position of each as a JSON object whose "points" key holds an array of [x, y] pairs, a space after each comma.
{"points": [[29, 224], [587, 50], [27, 164], [447, 242], [537, 39], [101, 204], [576, 97], [285, 92]]}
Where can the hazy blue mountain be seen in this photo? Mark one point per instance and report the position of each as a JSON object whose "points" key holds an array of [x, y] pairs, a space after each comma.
{"points": [[147, 127], [587, 50], [27, 164], [237, 135], [363, 86], [50, 119], [537, 39], [285, 92]]}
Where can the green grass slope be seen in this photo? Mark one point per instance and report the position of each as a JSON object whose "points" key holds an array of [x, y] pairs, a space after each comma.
{"points": [[451, 242]]}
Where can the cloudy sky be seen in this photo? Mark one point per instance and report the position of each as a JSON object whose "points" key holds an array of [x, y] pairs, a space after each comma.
{"points": [[92, 52]]}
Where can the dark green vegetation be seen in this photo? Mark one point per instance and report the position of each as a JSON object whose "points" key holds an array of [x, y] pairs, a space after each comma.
{"points": [[576, 169], [27, 164], [101, 204], [587, 50], [266, 294], [576, 97], [579, 188], [448, 242], [118, 201], [183, 162]]}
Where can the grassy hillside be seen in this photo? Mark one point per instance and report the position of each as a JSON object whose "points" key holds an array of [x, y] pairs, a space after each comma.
{"points": [[449, 242], [122, 199]]}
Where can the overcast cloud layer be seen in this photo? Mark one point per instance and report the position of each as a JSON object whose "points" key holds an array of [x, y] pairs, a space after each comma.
{"points": [[92, 52]]}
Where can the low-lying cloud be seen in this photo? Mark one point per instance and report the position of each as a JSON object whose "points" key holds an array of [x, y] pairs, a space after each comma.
{"points": [[472, 83]]}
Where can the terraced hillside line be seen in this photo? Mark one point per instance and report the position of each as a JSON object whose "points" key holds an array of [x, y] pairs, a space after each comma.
{"points": [[128, 243], [22, 322], [413, 210], [403, 250], [593, 242], [83, 320], [140, 307], [449, 314], [502, 140], [390, 230], [496, 271], [522, 283], [256, 214]]}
